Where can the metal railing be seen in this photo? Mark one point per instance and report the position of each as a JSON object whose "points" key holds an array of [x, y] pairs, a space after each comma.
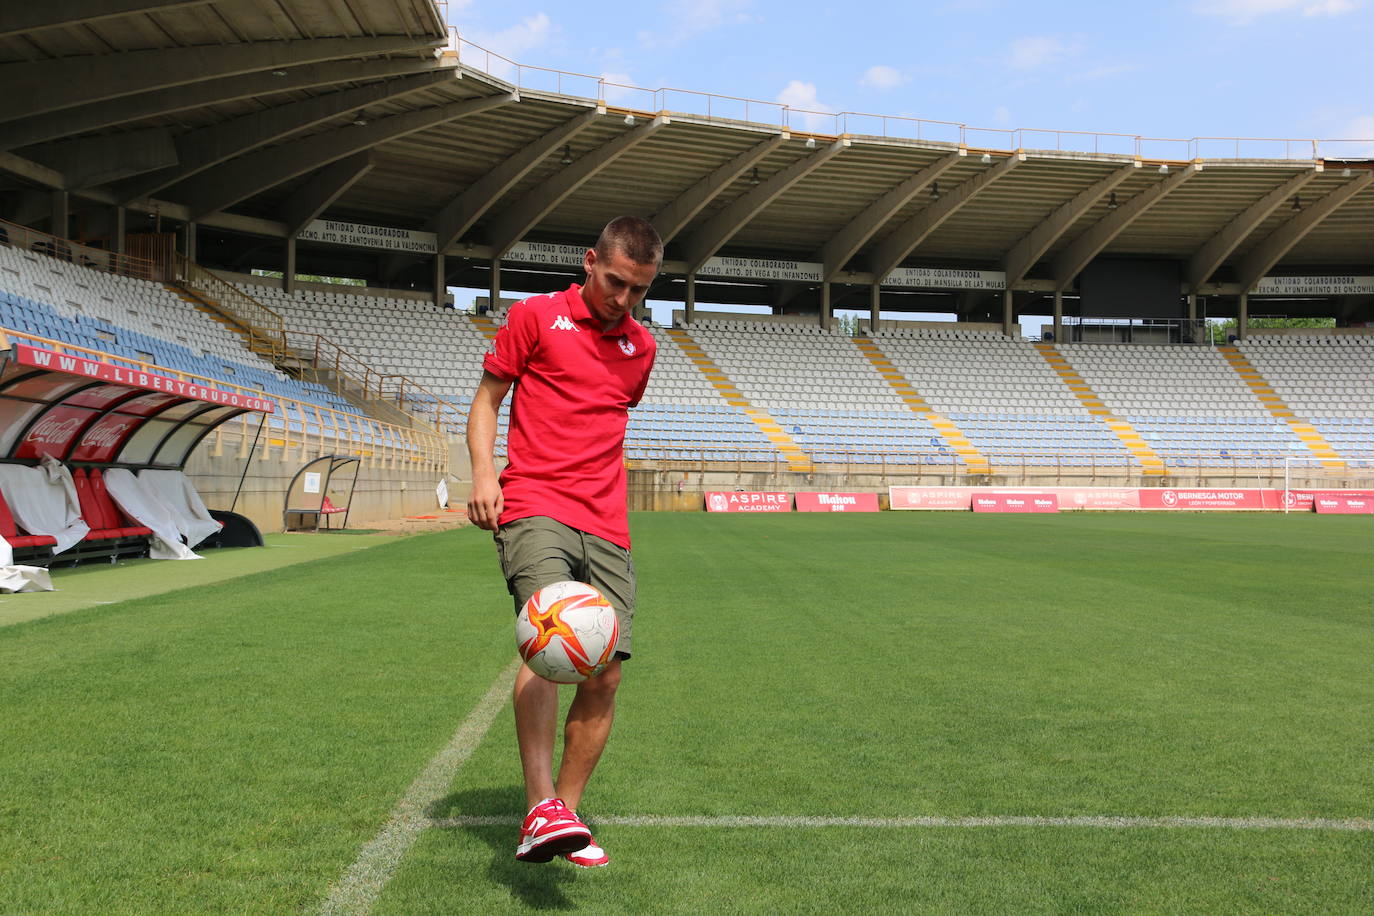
{"points": [[345, 373], [12, 234], [264, 328], [724, 108], [295, 424]]}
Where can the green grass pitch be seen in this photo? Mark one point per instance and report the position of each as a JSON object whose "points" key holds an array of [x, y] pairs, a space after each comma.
{"points": [[233, 747]]}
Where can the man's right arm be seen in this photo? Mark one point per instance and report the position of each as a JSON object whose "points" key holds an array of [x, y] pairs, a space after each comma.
{"points": [[485, 502]]}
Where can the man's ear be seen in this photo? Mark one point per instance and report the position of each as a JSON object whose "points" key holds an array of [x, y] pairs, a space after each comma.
{"points": [[589, 260]]}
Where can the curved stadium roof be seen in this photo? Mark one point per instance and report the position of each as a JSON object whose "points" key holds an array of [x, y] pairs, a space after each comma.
{"points": [[252, 117]]}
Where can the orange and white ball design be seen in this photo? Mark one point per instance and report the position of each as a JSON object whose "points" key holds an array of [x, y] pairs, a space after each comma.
{"points": [[567, 632]]}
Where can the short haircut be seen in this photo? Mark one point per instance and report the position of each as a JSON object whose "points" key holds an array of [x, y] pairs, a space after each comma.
{"points": [[634, 236]]}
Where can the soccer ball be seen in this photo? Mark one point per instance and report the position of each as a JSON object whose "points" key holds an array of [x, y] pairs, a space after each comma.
{"points": [[567, 632]]}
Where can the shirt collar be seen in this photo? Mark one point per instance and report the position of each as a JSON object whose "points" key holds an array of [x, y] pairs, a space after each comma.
{"points": [[580, 312]]}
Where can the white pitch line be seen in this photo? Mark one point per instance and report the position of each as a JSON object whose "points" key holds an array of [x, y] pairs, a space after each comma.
{"points": [[357, 890], [1359, 825]]}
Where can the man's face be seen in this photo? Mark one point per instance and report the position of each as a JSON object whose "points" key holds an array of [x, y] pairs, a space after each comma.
{"points": [[615, 285]]}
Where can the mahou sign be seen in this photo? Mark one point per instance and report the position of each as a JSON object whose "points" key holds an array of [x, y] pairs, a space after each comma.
{"points": [[748, 502], [837, 502]]}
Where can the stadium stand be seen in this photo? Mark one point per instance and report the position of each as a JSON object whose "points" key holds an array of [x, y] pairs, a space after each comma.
{"points": [[136, 319], [439, 349], [1327, 379]]}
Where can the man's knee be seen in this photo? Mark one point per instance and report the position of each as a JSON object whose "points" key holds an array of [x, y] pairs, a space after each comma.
{"points": [[605, 684]]}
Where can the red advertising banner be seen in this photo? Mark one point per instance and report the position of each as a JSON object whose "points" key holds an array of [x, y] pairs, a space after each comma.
{"points": [[1195, 500], [1007, 501], [947, 498], [1339, 503], [837, 502], [37, 357], [748, 502], [1244, 499]]}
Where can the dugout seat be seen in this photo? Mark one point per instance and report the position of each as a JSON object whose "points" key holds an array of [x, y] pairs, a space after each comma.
{"points": [[99, 511], [26, 546]]}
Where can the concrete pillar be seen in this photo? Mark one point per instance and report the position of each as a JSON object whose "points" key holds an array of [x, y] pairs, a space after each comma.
{"points": [[1058, 316], [1191, 316], [61, 213], [875, 299], [494, 302], [1008, 313], [689, 300], [288, 273], [117, 229], [1243, 316], [825, 305], [191, 242], [440, 280]]}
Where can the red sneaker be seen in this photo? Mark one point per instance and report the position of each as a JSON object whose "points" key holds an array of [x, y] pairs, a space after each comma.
{"points": [[551, 830], [589, 856]]}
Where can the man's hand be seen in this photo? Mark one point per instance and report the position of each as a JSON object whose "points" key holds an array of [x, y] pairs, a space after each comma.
{"points": [[485, 503]]}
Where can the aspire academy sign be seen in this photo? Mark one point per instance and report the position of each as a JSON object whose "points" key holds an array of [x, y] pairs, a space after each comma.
{"points": [[748, 502]]}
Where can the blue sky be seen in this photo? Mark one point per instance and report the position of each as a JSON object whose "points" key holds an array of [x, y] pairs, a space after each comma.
{"points": [[1256, 68], [1193, 68]]}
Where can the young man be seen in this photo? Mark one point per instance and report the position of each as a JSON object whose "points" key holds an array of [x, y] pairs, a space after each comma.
{"points": [[578, 361]]}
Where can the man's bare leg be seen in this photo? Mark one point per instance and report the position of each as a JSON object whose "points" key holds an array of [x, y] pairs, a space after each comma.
{"points": [[585, 733], [536, 718]]}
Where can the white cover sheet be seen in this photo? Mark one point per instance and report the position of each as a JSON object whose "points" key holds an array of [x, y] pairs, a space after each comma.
{"points": [[43, 501], [181, 499], [144, 506], [20, 578]]}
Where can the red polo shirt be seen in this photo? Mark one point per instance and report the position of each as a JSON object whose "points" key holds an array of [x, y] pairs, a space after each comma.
{"points": [[574, 386]]}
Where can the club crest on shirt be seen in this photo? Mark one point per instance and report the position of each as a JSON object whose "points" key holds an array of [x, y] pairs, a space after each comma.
{"points": [[627, 346]]}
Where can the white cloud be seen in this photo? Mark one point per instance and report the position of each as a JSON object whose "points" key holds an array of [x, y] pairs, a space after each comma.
{"points": [[691, 18], [621, 89], [1329, 8], [881, 76], [530, 33], [809, 110], [1241, 12], [1001, 116], [1035, 51]]}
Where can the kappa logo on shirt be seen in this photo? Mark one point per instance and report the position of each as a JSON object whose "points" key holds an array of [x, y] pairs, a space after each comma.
{"points": [[564, 323]]}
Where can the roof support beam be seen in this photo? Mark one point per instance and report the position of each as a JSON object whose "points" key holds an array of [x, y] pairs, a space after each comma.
{"points": [[680, 211], [94, 161], [894, 249], [1089, 245], [510, 226], [1218, 248], [458, 215], [29, 17], [209, 146], [837, 252], [37, 87], [80, 119], [1039, 240], [698, 247], [248, 175], [1261, 260], [32, 171], [324, 187]]}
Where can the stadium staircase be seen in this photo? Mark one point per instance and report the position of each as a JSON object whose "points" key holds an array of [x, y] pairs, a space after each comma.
{"points": [[1151, 464], [1316, 443], [949, 431], [263, 333], [485, 325], [792, 453]]}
